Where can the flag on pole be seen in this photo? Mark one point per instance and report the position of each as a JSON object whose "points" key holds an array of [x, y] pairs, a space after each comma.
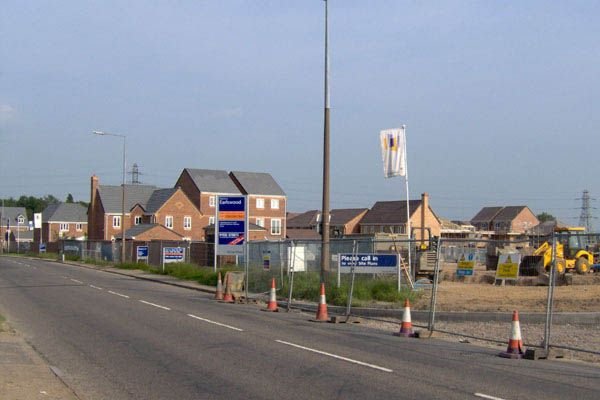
{"points": [[393, 152]]}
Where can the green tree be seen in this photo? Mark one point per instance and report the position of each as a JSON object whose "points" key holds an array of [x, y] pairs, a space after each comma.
{"points": [[544, 217], [69, 198]]}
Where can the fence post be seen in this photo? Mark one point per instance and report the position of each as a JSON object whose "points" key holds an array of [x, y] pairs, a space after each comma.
{"points": [[291, 271], [550, 297], [434, 287]]}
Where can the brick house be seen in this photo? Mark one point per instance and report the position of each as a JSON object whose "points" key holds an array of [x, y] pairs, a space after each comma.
{"points": [[509, 220], [202, 186], [172, 209], [62, 221], [149, 232], [14, 221], [343, 222], [267, 202], [105, 209], [391, 217]]}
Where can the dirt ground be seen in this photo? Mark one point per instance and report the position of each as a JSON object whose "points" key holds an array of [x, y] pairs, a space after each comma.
{"points": [[480, 294]]}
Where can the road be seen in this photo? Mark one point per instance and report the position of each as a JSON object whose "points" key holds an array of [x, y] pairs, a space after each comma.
{"points": [[116, 337]]}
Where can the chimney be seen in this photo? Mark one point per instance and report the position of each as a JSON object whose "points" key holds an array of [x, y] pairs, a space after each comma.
{"points": [[424, 206]]}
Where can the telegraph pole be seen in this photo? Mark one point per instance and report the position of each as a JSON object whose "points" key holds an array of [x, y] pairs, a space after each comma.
{"points": [[325, 257]]}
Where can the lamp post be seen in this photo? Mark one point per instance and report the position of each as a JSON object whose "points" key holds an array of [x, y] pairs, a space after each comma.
{"points": [[101, 133], [325, 257]]}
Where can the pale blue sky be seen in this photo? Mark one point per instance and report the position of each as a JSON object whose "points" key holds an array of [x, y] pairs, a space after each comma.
{"points": [[500, 98]]}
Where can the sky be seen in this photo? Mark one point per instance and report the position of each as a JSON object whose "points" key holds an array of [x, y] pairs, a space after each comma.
{"points": [[500, 99]]}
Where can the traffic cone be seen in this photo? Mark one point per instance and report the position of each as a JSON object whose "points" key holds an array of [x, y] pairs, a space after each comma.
{"points": [[322, 309], [272, 304], [515, 343], [406, 329], [219, 292], [228, 298]]}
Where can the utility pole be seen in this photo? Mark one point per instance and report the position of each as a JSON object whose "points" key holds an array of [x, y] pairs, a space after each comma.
{"points": [[325, 257], [585, 218]]}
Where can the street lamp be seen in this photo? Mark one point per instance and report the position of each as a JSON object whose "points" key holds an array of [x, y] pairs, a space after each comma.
{"points": [[101, 133], [325, 257]]}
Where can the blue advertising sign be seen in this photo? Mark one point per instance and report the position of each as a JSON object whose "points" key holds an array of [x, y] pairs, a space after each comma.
{"points": [[231, 225], [42, 247], [173, 254], [368, 263], [142, 252]]}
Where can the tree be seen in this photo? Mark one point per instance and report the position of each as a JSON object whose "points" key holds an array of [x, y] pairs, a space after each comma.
{"points": [[69, 198], [545, 217]]}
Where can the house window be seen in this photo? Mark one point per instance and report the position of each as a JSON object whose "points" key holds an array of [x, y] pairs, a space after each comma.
{"points": [[211, 220], [212, 201], [116, 221], [260, 203], [79, 226], [187, 223], [275, 227], [275, 204], [169, 221], [138, 219], [260, 222], [64, 227]]}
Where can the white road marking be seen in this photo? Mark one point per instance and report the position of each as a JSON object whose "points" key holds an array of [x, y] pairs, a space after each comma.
{"points": [[336, 356], [485, 396], [215, 323], [155, 305], [75, 280], [96, 287], [118, 294]]}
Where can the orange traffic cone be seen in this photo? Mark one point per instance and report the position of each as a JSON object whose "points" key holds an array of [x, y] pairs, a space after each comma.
{"points": [[322, 309], [272, 304], [228, 298], [406, 326], [515, 343], [219, 292]]}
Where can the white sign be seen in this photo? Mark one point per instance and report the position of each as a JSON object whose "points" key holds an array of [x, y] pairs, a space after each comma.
{"points": [[296, 259], [37, 220]]}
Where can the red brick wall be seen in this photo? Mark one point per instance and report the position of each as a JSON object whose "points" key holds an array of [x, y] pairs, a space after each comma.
{"points": [[267, 214], [180, 206]]}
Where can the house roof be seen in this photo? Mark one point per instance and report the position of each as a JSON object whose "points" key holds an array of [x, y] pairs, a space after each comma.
{"points": [[299, 234], [11, 214], [486, 214], [509, 213], [212, 181], [158, 198], [257, 183], [64, 212], [389, 212], [303, 220], [140, 229], [134, 194], [251, 227], [341, 216]]}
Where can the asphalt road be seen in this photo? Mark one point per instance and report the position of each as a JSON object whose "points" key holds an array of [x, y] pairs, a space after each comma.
{"points": [[115, 337]]}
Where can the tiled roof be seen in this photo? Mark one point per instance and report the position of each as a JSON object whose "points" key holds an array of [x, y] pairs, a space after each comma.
{"points": [[11, 214], [158, 199], [137, 230], [257, 183], [134, 194], [64, 212], [509, 213], [304, 220], [389, 212], [486, 214], [212, 181], [341, 216]]}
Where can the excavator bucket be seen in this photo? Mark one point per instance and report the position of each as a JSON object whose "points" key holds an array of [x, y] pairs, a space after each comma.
{"points": [[531, 265]]}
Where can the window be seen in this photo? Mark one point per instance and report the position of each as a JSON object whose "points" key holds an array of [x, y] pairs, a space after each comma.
{"points": [[275, 227], [275, 204], [212, 201], [116, 221], [260, 222], [64, 227], [187, 223], [260, 203], [211, 220], [138, 219], [79, 226], [169, 221]]}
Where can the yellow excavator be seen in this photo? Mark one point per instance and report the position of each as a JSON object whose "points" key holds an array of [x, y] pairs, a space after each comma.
{"points": [[572, 254]]}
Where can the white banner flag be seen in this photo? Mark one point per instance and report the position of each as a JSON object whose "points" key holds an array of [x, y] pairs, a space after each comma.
{"points": [[393, 152]]}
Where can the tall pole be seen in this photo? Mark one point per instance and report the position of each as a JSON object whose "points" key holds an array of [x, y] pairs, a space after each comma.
{"points": [[101, 133], [325, 207]]}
